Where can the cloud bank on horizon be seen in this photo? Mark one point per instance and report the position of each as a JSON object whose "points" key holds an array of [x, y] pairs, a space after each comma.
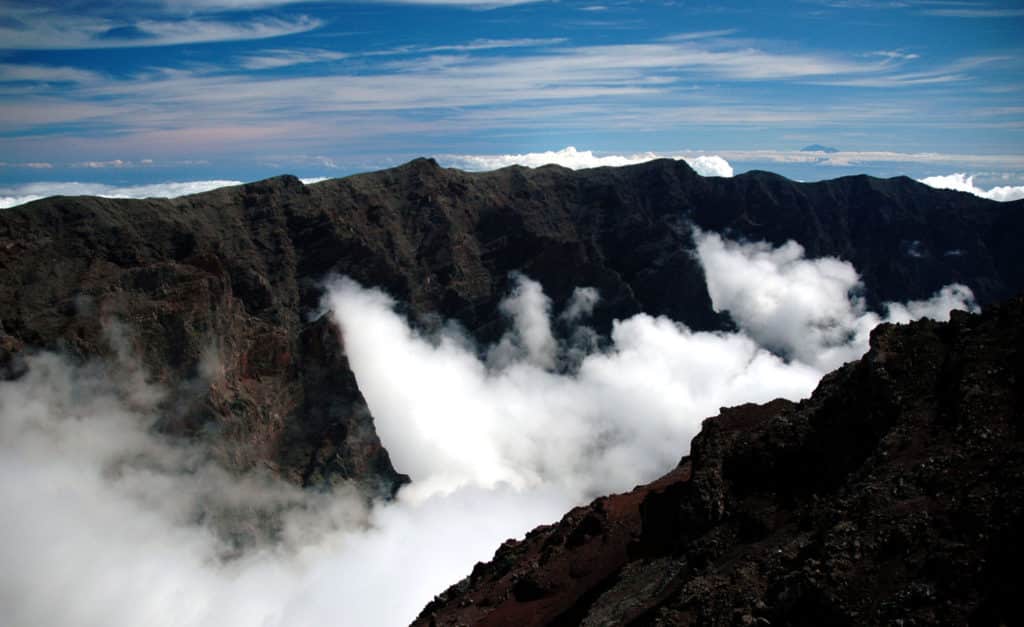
{"points": [[570, 157], [127, 528], [21, 194]]}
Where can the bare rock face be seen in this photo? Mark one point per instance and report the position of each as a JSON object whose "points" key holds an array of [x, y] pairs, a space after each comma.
{"points": [[218, 294], [892, 496]]}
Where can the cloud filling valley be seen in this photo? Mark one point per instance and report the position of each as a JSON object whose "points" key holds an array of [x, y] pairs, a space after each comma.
{"points": [[109, 523]]}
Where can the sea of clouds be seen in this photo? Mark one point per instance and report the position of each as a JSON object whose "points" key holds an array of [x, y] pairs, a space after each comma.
{"points": [[107, 523]]}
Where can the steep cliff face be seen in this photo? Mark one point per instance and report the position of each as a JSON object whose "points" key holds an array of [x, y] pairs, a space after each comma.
{"points": [[892, 496], [218, 294]]}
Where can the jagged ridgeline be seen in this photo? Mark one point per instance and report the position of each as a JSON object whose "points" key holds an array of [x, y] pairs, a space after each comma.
{"points": [[218, 295]]}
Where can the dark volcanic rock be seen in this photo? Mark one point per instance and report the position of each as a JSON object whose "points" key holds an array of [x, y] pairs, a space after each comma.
{"points": [[217, 292], [894, 495]]}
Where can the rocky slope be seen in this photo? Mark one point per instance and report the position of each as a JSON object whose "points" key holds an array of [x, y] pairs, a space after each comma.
{"points": [[892, 496], [218, 293]]}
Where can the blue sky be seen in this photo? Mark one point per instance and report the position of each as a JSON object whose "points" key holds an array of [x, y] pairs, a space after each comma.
{"points": [[146, 91]]}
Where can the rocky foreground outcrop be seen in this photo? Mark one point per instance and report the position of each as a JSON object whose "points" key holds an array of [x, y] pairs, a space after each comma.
{"points": [[218, 294], [894, 495]]}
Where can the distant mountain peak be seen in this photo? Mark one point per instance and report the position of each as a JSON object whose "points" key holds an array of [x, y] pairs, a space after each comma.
{"points": [[819, 148]]}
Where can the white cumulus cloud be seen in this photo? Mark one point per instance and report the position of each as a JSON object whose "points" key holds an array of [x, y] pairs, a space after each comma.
{"points": [[452, 419], [961, 182], [570, 157], [710, 165], [808, 309]]}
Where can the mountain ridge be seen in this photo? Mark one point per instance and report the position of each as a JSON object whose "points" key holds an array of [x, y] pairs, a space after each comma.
{"points": [[238, 273]]}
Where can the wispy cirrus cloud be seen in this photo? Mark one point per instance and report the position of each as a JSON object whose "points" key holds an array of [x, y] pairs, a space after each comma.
{"points": [[97, 165], [275, 59], [187, 6], [939, 8], [975, 13], [217, 6], [845, 158], [470, 46], [41, 29], [463, 3], [316, 92], [958, 70], [34, 165], [319, 161], [456, 83], [34, 73], [740, 63], [893, 55], [702, 34], [112, 163]]}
